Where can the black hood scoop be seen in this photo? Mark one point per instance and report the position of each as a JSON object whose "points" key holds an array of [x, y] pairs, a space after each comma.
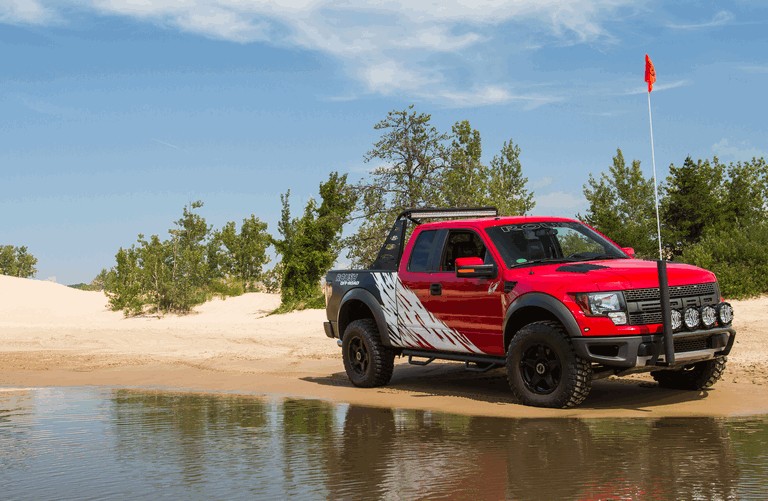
{"points": [[581, 267]]}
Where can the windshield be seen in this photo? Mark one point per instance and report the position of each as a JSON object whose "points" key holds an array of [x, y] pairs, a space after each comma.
{"points": [[546, 242]]}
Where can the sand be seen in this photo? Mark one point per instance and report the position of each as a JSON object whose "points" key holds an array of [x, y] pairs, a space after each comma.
{"points": [[52, 335]]}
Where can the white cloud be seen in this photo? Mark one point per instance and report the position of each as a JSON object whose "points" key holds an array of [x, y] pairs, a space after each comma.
{"points": [[737, 151], [415, 47], [25, 12], [657, 87], [387, 77], [490, 95], [165, 143], [754, 68], [540, 183], [559, 203], [719, 19]]}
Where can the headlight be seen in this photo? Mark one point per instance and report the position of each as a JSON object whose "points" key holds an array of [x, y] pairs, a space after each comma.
{"points": [[601, 303], [608, 304]]}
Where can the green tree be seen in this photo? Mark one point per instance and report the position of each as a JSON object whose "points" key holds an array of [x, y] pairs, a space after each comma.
{"points": [[245, 251], [8, 265], [621, 205], [411, 155], [465, 179], [102, 281], [506, 184], [738, 255], [310, 244], [421, 170], [693, 200], [190, 275], [17, 261], [745, 200], [126, 292], [165, 276]]}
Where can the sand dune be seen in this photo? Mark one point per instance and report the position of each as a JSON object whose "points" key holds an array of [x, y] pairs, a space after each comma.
{"points": [[51, 334]]}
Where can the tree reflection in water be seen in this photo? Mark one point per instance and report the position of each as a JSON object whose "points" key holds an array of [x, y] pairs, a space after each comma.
{"points": [[300, 448]]}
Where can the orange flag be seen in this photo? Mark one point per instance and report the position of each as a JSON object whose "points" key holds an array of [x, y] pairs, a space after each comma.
{"points": [[650, 73]]}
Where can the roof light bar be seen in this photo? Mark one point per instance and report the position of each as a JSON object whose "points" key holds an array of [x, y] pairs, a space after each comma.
{"points": [[450, 213]]}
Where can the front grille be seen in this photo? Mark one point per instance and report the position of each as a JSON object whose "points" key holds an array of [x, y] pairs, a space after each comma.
{"points": [[683, 345], [644, 305], [653, 317], [674, 292]]}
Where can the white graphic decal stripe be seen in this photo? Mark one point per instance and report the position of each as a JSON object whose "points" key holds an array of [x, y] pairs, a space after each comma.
{"points": [[411, 325]]}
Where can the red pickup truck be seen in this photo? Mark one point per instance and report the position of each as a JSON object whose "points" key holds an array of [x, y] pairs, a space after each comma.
{"points": [[550, 299]]}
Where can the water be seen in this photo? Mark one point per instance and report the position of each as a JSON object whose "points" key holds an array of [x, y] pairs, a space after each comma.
{"points": [[88, 443]]}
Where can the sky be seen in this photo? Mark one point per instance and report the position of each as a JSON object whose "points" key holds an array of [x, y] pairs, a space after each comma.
{"points": [[115, 114]]}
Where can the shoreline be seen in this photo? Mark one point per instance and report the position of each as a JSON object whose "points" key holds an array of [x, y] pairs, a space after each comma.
{"points": [[444, 388], [52, 335]]}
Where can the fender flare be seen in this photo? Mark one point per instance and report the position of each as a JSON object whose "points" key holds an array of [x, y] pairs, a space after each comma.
{"points": [[545, 302], [368, 299]]}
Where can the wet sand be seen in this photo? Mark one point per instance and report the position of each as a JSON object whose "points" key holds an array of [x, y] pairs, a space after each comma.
{"points": [[51, 335]]}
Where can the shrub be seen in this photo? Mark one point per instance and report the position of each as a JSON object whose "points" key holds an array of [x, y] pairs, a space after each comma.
{"points": [[737, 255]]}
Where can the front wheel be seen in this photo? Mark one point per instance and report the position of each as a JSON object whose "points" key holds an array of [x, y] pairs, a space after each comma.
{"points": [[368, 362], [543, 369], [698, 376]]}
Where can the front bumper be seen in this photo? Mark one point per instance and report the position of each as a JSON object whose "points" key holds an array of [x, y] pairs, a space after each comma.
{"points": [[644, 350]]}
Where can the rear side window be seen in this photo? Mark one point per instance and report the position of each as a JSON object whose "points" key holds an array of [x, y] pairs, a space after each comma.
{"points": [[422, 251]]}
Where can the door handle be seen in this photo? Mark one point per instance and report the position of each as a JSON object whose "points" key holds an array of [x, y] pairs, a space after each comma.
{"points": [[436, 289]]}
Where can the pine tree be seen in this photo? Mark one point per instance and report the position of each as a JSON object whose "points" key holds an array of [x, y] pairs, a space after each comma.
{"points": [[411, 155], [310, 244], [621, 205], [506, 184]]}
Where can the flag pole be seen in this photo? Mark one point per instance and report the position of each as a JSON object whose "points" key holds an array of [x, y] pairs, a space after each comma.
{"points": [[655, 184], [650, 78]]}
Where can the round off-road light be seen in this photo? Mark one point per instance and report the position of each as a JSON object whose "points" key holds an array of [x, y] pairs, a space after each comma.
{"points": [[708, 316], [691, 318], [677, 320], [725, 313]]}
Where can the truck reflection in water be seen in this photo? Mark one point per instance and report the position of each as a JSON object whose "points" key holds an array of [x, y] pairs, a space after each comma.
{"points": [[60, 443]]}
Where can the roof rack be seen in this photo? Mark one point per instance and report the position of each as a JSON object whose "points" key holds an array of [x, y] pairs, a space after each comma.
{"points": [[416, 215], [392, 250]]}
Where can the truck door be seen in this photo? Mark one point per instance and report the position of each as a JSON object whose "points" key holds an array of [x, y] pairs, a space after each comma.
{"points": [[466, 313]]}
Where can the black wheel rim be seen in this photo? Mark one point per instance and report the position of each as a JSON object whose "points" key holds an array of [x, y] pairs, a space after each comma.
{"points": [[540, 369], [358, 356]]}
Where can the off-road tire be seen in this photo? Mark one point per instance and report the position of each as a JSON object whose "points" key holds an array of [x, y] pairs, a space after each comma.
{"points": [[544, 346], [698, 376], [368, 362]]}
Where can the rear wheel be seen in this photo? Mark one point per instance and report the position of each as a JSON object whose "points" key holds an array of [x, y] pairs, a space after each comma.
{"points": [[368, 362], [698, 376], [543, 369]]}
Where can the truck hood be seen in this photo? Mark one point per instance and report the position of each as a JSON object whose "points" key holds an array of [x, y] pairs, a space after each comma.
{"points": [[609, 275]]}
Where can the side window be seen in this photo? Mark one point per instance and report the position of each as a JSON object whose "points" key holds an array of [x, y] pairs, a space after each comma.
{"points": [[463, 243], [421, 252]]}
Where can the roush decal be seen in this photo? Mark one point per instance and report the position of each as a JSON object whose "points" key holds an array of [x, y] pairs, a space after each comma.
{"points": [[347, 279], [411, 325]]}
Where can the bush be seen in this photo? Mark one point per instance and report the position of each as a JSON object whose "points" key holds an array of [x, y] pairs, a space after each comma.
{"points": [[193, 265], [737, 255], [17, 262]]}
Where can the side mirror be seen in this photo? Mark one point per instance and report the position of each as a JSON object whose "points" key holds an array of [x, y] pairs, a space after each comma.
{"points": [[473, 267], [629, 251]]}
